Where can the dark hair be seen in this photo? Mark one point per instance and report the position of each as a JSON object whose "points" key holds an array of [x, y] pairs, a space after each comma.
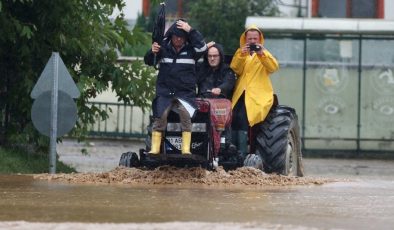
{"points": [[219, 47]]}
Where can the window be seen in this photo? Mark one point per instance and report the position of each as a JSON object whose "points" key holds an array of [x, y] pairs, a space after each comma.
{"points": [[348, 8]]}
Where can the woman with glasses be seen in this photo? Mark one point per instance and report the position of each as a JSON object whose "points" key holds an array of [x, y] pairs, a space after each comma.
{"points": [[215, 76]]}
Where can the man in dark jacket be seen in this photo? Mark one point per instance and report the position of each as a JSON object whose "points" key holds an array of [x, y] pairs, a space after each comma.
{"points": [[176, 81], [214, 75]]}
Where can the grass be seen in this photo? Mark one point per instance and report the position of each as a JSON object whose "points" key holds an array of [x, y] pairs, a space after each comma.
{"points": [[15, 161]]}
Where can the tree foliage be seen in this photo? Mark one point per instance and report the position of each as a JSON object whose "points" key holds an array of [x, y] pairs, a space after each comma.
{"points": [[87, 41], [140, 43], [223, 21], [145, 24]]}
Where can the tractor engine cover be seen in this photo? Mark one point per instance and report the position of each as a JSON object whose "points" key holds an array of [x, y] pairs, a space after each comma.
{"points": [[221, 113]]}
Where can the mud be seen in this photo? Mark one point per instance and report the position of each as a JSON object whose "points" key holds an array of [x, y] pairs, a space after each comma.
{"points": [[168, 175]]}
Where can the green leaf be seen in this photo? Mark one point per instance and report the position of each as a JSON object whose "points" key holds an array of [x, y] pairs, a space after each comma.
{"points": [[26, 32]]}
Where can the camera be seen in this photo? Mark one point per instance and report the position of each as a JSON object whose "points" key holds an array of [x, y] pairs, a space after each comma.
{"points": [[254, 47]]}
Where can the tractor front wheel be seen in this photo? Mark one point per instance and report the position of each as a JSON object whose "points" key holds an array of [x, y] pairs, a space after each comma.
{"points": [[129, 159]]}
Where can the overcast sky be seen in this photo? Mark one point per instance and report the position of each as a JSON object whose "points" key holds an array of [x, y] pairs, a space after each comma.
{"points": [[133, 7]]}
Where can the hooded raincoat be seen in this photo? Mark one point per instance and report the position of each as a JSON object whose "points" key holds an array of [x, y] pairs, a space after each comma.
{"points": [[254, 80], [223, 77], [177, 76]]}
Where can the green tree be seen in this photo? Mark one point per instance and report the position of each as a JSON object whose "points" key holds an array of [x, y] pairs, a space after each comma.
{"points": [[223, 21], [87, 41], [146, 24], [140, 43]]}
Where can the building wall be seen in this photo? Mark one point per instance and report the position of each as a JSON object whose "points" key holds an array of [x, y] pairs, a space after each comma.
{"points": [[389, 9]]}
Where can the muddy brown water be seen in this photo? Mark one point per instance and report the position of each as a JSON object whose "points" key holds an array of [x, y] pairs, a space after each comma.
{"points": [[361, 197], [335, 195]]}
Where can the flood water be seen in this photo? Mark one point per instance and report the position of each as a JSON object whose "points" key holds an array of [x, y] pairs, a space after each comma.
{"points": [[365, 202]]}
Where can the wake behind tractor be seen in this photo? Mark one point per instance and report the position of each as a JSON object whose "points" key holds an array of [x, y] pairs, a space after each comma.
{"points": [[274, 144]]}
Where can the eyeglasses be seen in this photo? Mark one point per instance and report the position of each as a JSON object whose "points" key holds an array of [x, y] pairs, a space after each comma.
{"points": [[213, 56]]}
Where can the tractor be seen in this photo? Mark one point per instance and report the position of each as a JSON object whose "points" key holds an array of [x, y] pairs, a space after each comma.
{"points": [[274, 144]]}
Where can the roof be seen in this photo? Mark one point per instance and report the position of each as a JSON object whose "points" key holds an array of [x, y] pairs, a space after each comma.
{"points": [[323, 25]]}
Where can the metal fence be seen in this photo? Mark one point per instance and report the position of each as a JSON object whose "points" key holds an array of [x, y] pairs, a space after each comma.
{"points": [[342, 88], [124, 121]]}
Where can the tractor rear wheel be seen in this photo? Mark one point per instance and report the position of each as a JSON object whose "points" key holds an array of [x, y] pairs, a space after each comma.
{"points": [[278, 142]]}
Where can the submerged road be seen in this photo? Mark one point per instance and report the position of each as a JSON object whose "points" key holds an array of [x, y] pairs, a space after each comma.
{"points": [[363, 200]]}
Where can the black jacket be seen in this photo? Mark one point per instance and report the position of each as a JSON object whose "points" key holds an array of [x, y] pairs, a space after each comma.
{"points": [[223, 77], [177, 76]]}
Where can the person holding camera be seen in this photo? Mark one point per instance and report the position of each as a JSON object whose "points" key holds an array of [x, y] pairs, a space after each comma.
{"points": [[253, 94]]}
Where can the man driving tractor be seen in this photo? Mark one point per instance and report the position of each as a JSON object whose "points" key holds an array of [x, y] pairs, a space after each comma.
{"points": [[176, 81]]}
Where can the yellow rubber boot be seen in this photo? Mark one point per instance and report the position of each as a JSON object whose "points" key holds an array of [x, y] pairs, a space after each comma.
{"points": [[156, 141], [186, 140]]}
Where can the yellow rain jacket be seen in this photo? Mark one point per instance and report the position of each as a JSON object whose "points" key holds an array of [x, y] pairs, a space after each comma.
{"points": [[253, 78]]}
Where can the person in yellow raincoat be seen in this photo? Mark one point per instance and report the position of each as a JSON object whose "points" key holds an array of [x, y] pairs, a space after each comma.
{"points": [[253, 94]]}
